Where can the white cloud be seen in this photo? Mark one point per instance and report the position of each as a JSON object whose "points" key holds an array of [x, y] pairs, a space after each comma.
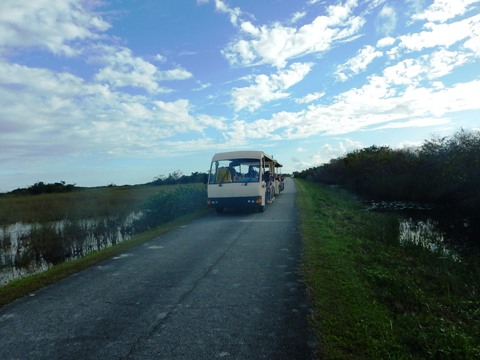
{"points": [[373, 104], [333, 151], [412, 71], [276, 44], [408, 72], [202, 86], [160, 58], [268, 88], [443, 10], [224, 8], [387, 20], [252, 97], [473, 44], [310, 98], [416, 6], [443, 62], [123, 69], [410, 144], [177, 114], [297, 16], [56, 26], [174, 74], [386, 41], [39, 104], [417, 122], [444, 35], [358, 63]]}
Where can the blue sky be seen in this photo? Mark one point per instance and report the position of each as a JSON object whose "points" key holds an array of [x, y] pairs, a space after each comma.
{"points": [[119, 92]]}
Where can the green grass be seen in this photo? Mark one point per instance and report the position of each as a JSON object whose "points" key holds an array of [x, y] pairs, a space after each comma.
{"points": [[374, 299], [22, 287]]}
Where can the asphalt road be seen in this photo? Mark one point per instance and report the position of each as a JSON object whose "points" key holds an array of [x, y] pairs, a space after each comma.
{"points": [[224, 286]]}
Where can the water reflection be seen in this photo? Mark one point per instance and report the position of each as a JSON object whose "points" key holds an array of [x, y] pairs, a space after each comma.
{"points": [[426, 233], [30, 248], [431, 227]]}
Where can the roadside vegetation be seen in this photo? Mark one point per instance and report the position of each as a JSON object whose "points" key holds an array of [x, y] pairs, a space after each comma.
{"points": [[83, 203], [44, 202], [373, 298], [58, 227], [443, 171]]}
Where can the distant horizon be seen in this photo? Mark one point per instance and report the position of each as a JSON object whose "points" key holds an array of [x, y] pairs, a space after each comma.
{"points": [[102, 92], [207, 171]]}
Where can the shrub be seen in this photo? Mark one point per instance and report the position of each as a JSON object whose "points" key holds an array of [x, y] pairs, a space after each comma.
{"points": [[445, 171], [168, 205], [46, 242]]}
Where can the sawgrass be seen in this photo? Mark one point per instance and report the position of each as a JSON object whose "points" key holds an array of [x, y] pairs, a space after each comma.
{"points": [[80, 204]]}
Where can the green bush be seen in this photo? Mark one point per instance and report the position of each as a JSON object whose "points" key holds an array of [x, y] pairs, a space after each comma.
{"points": [[168, 205], [45, 242], [444, 171]]}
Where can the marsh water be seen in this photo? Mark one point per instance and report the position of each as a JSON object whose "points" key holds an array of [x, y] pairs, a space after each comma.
{"points": [[28, 248], [430, 227]]}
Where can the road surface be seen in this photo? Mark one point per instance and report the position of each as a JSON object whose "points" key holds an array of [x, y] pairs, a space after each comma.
{"points": [[222, 287]]}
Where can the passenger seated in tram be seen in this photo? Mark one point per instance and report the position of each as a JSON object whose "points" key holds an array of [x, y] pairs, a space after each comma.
{"points": [[251, 173]]}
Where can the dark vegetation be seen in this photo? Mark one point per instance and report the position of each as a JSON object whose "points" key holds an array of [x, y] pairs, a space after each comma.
{"points": [[443, 171], [169, 205], [178, 178], [42, 188]]}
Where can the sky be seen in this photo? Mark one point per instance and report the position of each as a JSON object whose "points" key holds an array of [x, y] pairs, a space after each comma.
{"points": [[101, 92]]}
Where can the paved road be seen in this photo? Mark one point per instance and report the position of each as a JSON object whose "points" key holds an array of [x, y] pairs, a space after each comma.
{"points": [[224, 286]]}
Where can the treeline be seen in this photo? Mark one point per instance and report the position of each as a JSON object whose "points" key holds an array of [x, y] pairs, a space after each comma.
{"points": [[43, 188], [443, 171], [177, 178]]}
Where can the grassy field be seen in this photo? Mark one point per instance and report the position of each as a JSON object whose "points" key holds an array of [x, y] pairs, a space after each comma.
{"points": [[374, 299], [79, 204]]}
